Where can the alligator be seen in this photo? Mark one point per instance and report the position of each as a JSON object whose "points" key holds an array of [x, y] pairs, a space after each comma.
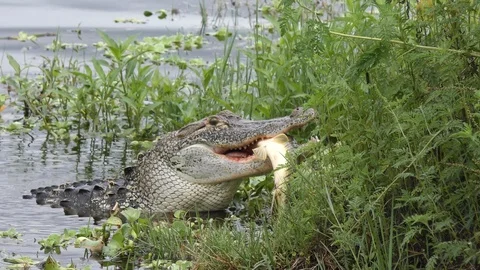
{"points": [[196, 168]]}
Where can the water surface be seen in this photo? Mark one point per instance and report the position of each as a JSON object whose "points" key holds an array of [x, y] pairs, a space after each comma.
{"points": [[29, 162]]}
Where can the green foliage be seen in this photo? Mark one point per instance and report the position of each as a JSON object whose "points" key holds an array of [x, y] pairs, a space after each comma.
{"points": [[54, 242], [27, 263], [161, 14], [394, 180], [3, 98], [10, 233], [401, 188], [20, 262], [123, 94]]}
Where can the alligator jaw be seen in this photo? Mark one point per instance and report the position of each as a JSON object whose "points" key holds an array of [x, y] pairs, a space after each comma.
{"points": [[239, 153], [232, 132], [241, 150]]}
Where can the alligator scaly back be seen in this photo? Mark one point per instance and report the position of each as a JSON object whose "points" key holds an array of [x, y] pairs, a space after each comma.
{"points": [[83, 198], [196, 168]]}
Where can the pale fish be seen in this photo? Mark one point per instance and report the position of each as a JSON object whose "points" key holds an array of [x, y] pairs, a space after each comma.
{"points": [[276, 149]]}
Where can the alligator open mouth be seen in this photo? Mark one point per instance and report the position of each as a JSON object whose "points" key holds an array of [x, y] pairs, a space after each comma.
{"points": [[242, 153]]}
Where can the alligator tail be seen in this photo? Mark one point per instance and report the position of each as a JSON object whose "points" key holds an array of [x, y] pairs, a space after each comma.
{"points": [[94, 198]]}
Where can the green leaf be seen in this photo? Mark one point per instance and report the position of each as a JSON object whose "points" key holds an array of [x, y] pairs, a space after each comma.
{"points": [[162, 14], [221, 35], [51, 264], [115, 221], [98, 69], [180, 214], [10, 233], [181, 227], [115, 244], [14, 64], [131, 214], [21, 260]]}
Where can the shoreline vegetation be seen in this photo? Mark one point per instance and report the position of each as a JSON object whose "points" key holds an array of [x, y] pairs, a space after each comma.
{"points": [[392, 183]]}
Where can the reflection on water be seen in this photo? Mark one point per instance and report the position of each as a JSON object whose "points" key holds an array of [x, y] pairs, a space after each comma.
{"points": [[28, 162]]}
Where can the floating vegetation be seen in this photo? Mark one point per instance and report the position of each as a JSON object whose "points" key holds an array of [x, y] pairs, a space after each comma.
{"points": [[58, 45], [23, 36], [48, 264], [161, 14], [222, 34], [21, 262], [153, 48], [10, 233], [55, 242], [96, 96], [130, 20]]}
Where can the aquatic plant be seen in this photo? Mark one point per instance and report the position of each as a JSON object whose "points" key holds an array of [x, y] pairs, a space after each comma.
{"points": [[122, 94], [10, 233], [55, 242], [49, 264]]}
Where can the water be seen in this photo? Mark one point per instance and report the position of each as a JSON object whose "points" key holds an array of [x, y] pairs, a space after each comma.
{"points": [[27, 163], [66, 16], [31, 160]]}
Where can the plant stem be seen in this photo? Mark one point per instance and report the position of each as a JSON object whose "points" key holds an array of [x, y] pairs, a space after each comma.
{"points": [[469, 53]]}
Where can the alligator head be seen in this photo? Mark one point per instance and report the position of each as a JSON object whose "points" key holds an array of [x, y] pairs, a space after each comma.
{"points": [[198, 167], [219, 148]]}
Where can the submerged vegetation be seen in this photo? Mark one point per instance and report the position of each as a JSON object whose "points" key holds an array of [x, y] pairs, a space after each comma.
{"points": [[394, 181]]}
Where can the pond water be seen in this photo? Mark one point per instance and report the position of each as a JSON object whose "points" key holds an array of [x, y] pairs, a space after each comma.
{"points": [[31, 160], [66, 16], [28, 162]]}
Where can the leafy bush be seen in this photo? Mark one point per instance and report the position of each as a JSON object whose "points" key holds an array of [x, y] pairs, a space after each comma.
{"points": [[394, 182], [397, 93]]}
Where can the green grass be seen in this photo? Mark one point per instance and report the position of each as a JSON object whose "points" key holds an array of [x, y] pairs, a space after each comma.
{"points": [[393, 182]]}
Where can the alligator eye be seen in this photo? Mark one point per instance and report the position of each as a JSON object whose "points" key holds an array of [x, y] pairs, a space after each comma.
{"points": [[213, 121]]}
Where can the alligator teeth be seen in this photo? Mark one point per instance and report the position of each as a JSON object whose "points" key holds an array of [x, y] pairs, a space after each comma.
{"points": [[249, 145]]}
